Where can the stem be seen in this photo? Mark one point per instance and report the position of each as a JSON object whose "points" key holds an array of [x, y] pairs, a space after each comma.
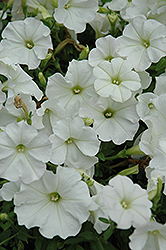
{"points": [[88, 177], [8, 239], [100, 244]]}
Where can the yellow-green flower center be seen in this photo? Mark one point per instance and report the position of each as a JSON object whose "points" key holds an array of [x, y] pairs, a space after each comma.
{"points": [[29, 44], [54, 197], [117, 82], [150, 105], [69, 140], [146, 44], [20, 148], [108, 113], [77, 90], [124, 204]]}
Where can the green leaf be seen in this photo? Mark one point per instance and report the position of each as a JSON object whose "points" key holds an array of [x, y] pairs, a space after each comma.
{"points": [[78, 247], [52, 245], [108, 233], [101, 156], [161, 64], [38, 244], [104, 220], [6, 225], [88, 236]]}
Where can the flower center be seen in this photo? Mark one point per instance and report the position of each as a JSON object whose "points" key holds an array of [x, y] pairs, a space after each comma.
{"points": [[146, 44], [29, 45], [117, 82], [150, 105], [20, 148], [124, 204], [69, 140], [55, 197], [108, 113], [77, 90], [67, 5]]}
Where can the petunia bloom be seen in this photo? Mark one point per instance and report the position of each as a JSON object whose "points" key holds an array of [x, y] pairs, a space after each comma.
{"points": [[57, 203], [127, 203], [28, 39]]}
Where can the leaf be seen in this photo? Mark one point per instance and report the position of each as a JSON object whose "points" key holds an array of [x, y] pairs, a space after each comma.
{"points": [[38, 244], [52, 245], [78, 247], [104, 220], [101, 156], [161, 64], [108, 233], [88, 236]]}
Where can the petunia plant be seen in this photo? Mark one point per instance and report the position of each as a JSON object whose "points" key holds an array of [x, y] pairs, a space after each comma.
{"points": [[82, 125]]}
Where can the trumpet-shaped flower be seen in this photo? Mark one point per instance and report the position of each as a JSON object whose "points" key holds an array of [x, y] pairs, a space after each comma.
{"points": [[23, 152], [74, 143], [78, 85], [143, 42], [28, 39], [74, 14], [105, 50], [116, 79], [151, 235], [57, 203], [20, 82], [127, 203], [112, 120]]}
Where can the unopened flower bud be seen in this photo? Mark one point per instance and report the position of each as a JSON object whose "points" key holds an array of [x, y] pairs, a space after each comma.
{"points": [[3, 216], [84, 53], [113, 17], [42, 78], [19, 119]]}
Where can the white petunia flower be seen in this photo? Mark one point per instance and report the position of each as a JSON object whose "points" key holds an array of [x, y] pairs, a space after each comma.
{"points": [[57, 203], [78, 85], [116, 79], [149, 236], [28, 39], [143, 42], [74, 14], [23, 152], [22, 107], [74, 143], [160, 86], [112, 120], [145, 107], [43, 6], [127, 203], [100, 24], [9, 189], [105, 50], [102, 211], [20, 82], [119, 4]]}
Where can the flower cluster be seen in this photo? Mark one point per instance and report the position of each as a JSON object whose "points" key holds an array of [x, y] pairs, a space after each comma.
{"points": [[56, 115]]}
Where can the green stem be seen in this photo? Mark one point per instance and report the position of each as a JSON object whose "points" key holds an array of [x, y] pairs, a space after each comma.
{"points": [[8, 239], [100, 244]]}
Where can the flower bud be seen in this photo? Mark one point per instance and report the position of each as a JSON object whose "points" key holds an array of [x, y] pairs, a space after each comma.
{"points": [[84, 53], [42, 78], [113, 17], [3, 216]]}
